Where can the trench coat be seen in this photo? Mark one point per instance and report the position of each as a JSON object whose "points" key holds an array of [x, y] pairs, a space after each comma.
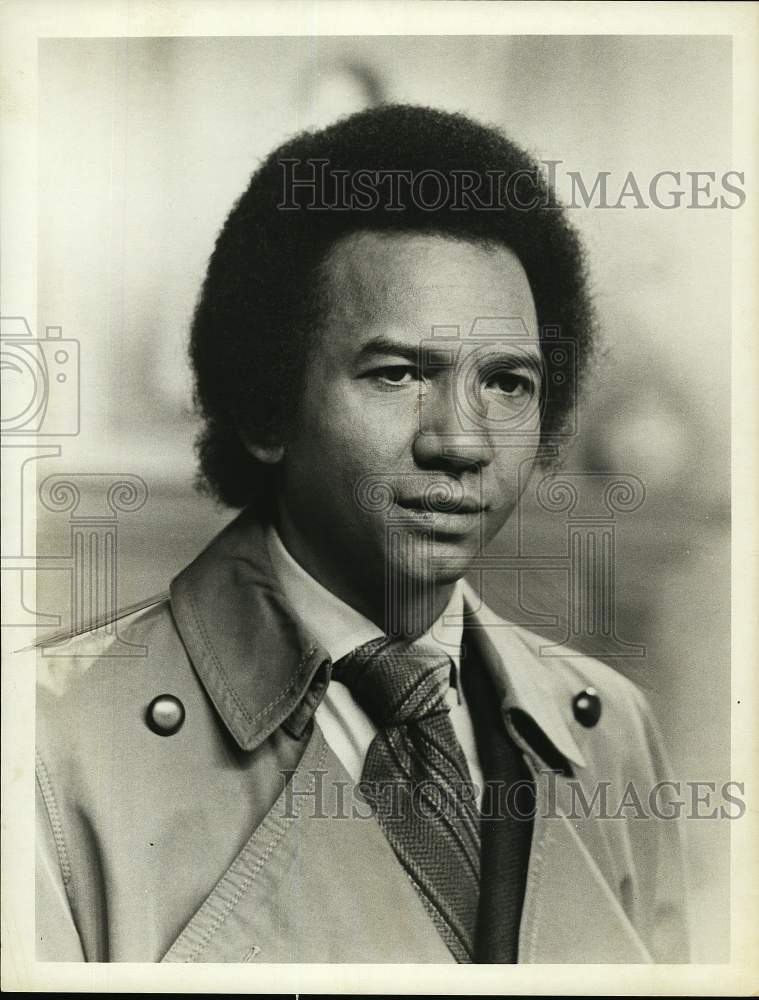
{"points": [[238, 835]]}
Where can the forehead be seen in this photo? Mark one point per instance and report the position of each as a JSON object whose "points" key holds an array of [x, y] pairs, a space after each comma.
{"points": [[417, 281]]}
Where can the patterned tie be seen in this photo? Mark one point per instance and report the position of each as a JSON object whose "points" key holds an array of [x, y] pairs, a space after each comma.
{"points": [[416, 778]]}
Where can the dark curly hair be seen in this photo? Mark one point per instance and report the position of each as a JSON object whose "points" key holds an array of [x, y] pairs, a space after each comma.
{"points": [[261, 305]]}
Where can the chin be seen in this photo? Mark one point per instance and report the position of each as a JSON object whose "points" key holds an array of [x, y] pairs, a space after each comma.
{"points": [[431, 562]]}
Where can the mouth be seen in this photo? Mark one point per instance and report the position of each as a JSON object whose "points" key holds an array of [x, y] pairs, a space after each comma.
{"points": [[462, 520], [459, 505]]}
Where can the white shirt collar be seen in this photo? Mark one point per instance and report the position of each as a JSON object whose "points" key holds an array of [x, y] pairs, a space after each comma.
{"points": [[338, 627]]}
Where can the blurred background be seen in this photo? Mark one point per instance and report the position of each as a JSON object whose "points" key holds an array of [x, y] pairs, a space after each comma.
{"points": [[144, 145]]}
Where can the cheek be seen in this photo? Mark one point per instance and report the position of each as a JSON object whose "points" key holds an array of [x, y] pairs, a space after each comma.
{"points": [[328, 460], [513, 467], [366, 433], [526, 461]]}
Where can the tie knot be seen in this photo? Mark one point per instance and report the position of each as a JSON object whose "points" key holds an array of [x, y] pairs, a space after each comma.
{"points": [[396, 682]]}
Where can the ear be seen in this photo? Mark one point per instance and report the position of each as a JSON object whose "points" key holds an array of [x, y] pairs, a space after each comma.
{"points": [[271, 454]]}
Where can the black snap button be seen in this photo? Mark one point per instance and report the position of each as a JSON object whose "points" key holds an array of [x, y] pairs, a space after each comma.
{"points": [[587, 707], [165, 715]]}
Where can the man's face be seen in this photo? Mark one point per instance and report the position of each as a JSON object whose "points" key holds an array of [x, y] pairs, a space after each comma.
{"points": [[395, 422]]}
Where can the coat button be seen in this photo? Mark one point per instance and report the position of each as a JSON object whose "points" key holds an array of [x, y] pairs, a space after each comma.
{"points": [[165, 715], [587, 707]]}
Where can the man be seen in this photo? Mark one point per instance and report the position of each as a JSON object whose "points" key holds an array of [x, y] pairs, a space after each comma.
{"points": [[333, 752]]}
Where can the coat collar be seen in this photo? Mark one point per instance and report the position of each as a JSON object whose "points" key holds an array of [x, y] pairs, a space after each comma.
{"points": [[524, 680], [261, 668]]}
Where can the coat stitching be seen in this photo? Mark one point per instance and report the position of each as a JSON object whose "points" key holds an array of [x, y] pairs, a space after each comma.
{"points": [[217, 663], [540, 840], [294, 683], [269, 707], [231, 902], [538, 905], [48, 797]]}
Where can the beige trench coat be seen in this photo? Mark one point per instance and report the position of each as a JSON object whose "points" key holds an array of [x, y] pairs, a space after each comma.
{"points": [[189, 847]]}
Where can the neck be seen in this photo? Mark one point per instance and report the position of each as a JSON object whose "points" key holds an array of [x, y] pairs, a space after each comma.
{"points": [[399, 603], [418, 607]]}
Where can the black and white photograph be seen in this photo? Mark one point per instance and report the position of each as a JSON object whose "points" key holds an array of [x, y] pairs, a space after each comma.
{"points": [[379, 506]]}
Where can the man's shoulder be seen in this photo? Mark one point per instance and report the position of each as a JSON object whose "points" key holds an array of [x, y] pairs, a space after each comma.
{"points": [[565, 665], [582, 703], [106, 653], [552, 665]]}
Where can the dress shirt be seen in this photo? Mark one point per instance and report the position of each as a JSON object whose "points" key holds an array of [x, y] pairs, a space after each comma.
{"points": [[339, 629]]}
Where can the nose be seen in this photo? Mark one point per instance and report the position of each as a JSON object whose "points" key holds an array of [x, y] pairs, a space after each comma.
{"points": [[447, 437]]}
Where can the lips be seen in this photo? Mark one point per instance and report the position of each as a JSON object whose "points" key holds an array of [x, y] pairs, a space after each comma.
{"points": [[455, 525], [457, 506]]}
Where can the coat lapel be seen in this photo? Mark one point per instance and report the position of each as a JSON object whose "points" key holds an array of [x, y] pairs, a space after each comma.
{"points": [[562, 875], [314, 883], [563, 881]]}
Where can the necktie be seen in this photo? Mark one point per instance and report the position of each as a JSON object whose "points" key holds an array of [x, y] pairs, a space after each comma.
{"points": [[416, 778], [506, 821]]}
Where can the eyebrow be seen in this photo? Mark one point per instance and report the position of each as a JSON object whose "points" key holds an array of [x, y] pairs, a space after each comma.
{"points": [[439, 351], [384, 345]]}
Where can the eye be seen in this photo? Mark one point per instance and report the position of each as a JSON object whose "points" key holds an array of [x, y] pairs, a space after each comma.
{"points": [[510, 383], [395, 375]]}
